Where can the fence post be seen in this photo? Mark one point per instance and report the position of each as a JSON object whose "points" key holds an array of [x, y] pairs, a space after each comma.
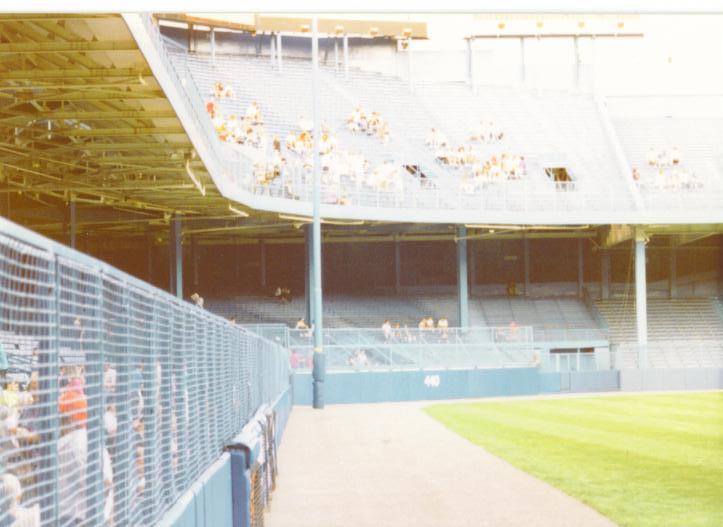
{"points": [[95, 490], [48, 392], [123, 436]]}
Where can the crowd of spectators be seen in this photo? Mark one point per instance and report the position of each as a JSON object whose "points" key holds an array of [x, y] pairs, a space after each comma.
{"points": [[372, 124], [24, 412], [664, 170], [477, 163]]}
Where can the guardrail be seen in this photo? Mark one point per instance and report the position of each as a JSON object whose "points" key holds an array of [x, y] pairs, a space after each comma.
{"points": [[126, 394]]}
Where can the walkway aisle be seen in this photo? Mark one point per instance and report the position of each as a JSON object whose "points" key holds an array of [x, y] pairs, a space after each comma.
{"points": [[392, 465]]}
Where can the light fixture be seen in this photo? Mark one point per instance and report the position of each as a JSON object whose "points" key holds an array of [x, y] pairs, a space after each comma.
{"points": [[240, 212], [194, 178], [305, 28], [407, 32]]}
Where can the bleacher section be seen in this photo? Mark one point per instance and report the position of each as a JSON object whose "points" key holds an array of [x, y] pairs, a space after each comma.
{"points": [[549, 129], [668, 320], [697, 139], [681, 333]]}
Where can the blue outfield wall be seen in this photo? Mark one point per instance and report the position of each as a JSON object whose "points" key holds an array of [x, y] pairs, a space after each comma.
{"points": [[210, 501], [422, 385]]}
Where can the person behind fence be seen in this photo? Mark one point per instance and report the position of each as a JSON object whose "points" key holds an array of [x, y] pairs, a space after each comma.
{"points": [[12, 513], [72, 456], [387, 330], [4, 366], [443, 327]]}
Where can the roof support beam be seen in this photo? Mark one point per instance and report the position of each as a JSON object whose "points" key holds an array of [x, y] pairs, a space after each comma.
{"points": [[65, 47], [76, 73]]}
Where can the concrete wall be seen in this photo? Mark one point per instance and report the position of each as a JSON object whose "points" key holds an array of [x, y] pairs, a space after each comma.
{"points": [[671, 379], [371, 387]]}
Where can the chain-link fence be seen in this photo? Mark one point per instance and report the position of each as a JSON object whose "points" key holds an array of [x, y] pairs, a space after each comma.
{"points": [[114, 396]]}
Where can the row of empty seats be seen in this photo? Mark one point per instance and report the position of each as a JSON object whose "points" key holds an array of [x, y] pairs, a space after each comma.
{"points": [[668, 320], [349, 311]]}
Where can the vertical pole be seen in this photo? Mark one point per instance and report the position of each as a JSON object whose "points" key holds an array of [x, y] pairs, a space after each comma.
{"points": [[641, 307], [580, 267], [96, 408], [272, 49], [462, 286], [177, 250], [73, 223], [397, 266], [472, 265], [470, 63], [346, 56], [523, 65], [605, 275], [576, 41], [336, 55], [308, 279], [278, 51], [149, 258], [262, 251], [48, 394], [526, 259], [213, 46], [673, 283], [194, 262], [319, 370], [411, 65]]}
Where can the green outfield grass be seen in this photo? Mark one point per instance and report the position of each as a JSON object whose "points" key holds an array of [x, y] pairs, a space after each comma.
{"points": [[643, 460]]}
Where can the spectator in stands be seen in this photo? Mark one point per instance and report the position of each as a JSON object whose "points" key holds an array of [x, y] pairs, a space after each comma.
{"points": [[303, 328], [387, 330], [12, 513], [197, 300], [72, 457], [4, 366], [443, 327]]}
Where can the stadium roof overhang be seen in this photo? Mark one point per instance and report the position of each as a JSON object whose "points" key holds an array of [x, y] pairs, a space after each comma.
{"points": [[301, 24], [82, 119]]}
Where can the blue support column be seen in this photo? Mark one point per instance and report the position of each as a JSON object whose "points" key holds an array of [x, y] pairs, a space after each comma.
{"points": [[72, 212], [308, 278], [262, 257], [526, 261], [605, 275], [462, 285], [580, 268], [673, 279], [641, 306], [176, 257], [319, 370], [397, 267]]}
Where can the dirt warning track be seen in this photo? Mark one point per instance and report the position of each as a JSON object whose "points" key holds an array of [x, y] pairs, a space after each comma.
{"points": [[392, 465]]}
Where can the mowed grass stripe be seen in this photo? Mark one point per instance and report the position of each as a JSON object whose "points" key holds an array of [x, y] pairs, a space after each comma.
{"points": [[619, 460], [634, 436]]}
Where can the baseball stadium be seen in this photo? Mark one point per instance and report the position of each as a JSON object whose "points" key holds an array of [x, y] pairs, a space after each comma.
{"points": [[361, 269]]}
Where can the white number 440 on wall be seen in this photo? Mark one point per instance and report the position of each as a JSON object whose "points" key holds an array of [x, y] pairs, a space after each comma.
{"points": [[431, 381]]}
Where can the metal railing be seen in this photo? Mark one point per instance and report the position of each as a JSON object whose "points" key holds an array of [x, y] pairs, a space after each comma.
{"points": [[405, 348], [117, 395]]}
